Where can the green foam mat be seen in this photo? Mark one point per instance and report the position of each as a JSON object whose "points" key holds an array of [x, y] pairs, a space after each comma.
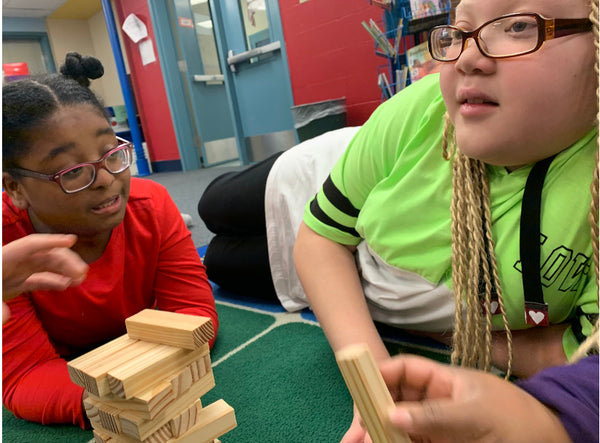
{"points": [[236, 326], [285, 387], [275, 369], [15, 430]]}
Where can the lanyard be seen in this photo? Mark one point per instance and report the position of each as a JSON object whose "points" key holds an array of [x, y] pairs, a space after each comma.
{"points": [[536, 309]]}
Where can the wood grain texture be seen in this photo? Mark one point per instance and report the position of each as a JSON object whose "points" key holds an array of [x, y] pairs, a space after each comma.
{"points": [[214, 420], [170, 328], [369, 392], [134, 376], [90, 370]]}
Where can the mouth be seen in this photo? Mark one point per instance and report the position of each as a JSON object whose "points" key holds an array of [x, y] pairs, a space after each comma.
{"points": [[478, 101], [473, 97], [110, 205]]}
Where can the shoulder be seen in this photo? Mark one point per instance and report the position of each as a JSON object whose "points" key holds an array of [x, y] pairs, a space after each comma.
{"points": [[144, 189], [15, 222], [150, 201]]}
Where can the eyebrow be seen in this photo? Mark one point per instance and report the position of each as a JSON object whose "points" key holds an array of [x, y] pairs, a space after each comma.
{"points": [[70, 146]]}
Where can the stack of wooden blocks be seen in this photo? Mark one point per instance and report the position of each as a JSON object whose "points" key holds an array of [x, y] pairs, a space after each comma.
{"points": [[145, 386]]}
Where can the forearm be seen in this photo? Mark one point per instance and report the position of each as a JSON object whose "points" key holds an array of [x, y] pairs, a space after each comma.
{"points": [[331, 282], [35, 382], [46, 395], [533, 349]]}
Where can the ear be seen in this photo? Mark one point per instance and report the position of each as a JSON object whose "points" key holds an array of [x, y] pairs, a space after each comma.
{"points": [[14, 189]]}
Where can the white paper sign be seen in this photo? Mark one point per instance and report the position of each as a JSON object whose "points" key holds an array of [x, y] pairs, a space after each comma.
{"points": [[134, 28], [147, 52]]}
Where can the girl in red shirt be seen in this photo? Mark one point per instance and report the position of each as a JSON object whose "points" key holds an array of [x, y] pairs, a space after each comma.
{"points": [[65, 171]]}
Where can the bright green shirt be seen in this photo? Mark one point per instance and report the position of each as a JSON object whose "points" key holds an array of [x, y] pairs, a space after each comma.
{"points": [[391, 193]]}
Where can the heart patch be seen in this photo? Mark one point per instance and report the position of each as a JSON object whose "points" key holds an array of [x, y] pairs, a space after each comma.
{"points": [[536, 316]]}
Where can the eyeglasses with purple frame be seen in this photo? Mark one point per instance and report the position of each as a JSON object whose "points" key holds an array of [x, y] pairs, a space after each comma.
{"points": [[74, 179]]}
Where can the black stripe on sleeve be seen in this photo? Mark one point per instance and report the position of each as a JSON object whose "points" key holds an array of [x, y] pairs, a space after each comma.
{"points": [[318, 213], [337, 199], [576, 326]]}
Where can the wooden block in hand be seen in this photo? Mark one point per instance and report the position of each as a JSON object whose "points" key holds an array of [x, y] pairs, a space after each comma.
{"points": [[170, 328], [369, 392]]}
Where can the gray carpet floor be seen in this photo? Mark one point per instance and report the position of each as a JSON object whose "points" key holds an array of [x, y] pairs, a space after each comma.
{"points": [[186, 188]]}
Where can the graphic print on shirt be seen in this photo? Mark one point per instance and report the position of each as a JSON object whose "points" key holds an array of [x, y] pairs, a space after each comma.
{"points": [[563, 265]]}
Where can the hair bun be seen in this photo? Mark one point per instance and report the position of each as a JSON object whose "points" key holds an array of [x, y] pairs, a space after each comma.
{"points": [[81, 68]]}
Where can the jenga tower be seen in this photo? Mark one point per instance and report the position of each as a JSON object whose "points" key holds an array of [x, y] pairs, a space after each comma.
{"points": [[145, 386]]}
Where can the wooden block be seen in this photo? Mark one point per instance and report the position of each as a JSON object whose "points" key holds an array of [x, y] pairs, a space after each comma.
{"points": [[134, 376], [161, 436], [101, 437], [134, 424], [90, 370], [370, 393], [190, 375], [170, 328], [214, 420], [182, 423], [109, 417], [148, 404], [92, 411], [163, 433]]}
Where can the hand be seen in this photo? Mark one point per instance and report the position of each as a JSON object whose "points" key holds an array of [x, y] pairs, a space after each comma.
{"points": [[356, 433], [449, 404], [40, 261]]}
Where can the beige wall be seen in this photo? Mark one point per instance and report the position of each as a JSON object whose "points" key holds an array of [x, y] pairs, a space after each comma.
{"points": [[88, 37]]}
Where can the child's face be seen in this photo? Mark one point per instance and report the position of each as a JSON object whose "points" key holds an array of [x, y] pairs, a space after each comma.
{"points": [[535, 105], [73, 135]]}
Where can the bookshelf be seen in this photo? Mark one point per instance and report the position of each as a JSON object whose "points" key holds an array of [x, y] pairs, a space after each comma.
{"points": [[403, 27]]}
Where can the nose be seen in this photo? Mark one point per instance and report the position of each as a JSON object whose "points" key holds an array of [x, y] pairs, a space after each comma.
{"points": [[103, 178], [472, 59]]}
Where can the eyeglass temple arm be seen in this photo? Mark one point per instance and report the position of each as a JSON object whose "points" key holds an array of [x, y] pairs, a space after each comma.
{"points": [[570, 26]]}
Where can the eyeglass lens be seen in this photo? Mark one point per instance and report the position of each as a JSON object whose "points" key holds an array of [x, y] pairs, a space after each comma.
{"points": [[84, 175], [503, 37]]}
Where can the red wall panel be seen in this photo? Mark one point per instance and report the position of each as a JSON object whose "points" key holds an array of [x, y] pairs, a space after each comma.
{"points": [[330, 54], [148, 88]]}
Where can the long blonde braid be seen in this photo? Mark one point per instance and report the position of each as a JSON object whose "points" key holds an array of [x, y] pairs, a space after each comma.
{"points": [[592, 341], [473, 260]]}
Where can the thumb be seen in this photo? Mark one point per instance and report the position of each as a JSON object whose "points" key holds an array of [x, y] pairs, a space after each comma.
{"points": [[430, 417]]}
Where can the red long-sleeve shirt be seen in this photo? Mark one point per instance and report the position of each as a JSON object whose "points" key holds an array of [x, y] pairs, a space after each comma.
{"points": [[150, 261]]}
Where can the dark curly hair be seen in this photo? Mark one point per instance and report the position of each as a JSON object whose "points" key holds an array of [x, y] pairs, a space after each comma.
{"points": [[28, 104]]}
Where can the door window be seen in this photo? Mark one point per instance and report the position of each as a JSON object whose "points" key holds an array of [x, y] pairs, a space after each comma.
{"points": [[206, 36], [256, 24], [24, 50]]}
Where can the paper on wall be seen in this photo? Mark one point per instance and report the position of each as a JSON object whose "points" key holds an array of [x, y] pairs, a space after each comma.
{"points": [[147, 52], [134, 28]]}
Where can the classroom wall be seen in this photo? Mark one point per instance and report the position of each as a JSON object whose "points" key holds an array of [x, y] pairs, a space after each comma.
{"points": [[87, 37], [331, 55], [148, 88]]}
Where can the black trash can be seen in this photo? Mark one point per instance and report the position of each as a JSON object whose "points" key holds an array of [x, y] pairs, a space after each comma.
{"points": [[316, 118]]}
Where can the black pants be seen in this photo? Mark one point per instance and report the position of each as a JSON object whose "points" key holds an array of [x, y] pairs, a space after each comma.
{"points": [[233, 208]]}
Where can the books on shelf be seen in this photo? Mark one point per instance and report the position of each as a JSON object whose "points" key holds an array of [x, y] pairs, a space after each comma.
{"points": [[380, 38], [385, 86], [420, 63], [426, 8]]}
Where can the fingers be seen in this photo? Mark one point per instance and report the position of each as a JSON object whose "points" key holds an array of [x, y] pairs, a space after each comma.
{"points": [[356, 433], [62, 261], [40, 261], [414, 378], [5, 313], [436, 418], [47, 281], [38, 243]]}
